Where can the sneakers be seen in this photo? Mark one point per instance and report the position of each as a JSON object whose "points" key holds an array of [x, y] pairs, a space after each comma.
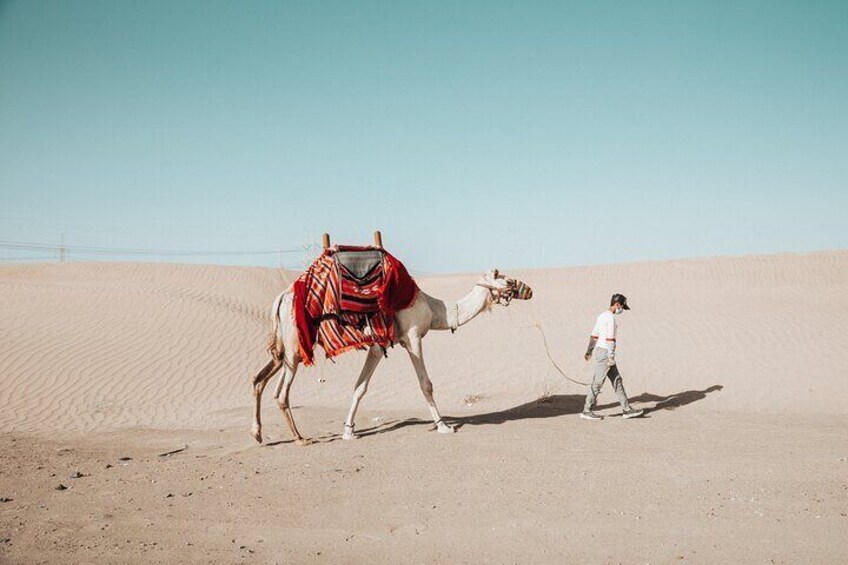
{"points": [[627, 414], [631, 413]]}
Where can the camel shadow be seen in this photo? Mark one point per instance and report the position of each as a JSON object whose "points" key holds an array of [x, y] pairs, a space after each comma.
{"points": [[552, 406], [394, 426], [331, 437], [276, 442], [549, 407]]}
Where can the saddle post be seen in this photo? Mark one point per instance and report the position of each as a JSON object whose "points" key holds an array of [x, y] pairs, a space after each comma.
{"points": [[326, 240], [378, 239]]}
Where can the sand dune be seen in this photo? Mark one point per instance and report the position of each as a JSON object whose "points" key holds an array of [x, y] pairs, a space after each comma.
{"points": [[741, 458], [90, 347]]}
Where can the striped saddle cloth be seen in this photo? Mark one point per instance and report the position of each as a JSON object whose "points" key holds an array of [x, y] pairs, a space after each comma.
{"points": [[360, 278], [347, 300]]}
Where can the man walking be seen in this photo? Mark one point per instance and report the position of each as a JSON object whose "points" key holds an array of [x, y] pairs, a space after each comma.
{"points": [[602, 342]]}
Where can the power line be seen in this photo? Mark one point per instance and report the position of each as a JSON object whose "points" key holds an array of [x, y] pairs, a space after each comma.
{"points": [[308, 251], [10, 259], [97, 250]]}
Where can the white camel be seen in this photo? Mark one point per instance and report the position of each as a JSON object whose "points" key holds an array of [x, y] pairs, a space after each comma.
{"points": [[426, 313]]}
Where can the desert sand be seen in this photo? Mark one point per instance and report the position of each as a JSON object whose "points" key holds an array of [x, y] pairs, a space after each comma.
{"points": [[127, 404]]}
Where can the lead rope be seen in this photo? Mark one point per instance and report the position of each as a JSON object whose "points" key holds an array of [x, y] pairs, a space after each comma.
{"points": [[548, 352]]}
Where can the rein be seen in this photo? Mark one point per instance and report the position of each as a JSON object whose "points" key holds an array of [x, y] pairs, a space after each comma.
{"points": [[504, 297], [550, 357]]}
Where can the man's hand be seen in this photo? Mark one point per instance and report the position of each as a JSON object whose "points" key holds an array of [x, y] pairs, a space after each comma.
{"points": [[591, 347]]}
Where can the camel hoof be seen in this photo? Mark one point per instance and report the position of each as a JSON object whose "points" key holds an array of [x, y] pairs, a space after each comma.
{"points": [[256, 434], [303, 441], [445, 429]]}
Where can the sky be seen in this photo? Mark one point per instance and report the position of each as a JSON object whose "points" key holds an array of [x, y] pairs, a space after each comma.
{"points": [[473, 134]]}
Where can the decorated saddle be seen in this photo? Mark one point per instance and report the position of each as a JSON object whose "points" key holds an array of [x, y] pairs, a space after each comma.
{"points": [[347, 299]]}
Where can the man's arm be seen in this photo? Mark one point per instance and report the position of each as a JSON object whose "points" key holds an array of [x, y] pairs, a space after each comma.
{"points": [[611, 350], [613, 333], [592, 341]]}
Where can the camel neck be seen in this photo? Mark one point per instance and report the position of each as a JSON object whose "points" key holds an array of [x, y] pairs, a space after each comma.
{"points": [[450, 314], [470, 305]]}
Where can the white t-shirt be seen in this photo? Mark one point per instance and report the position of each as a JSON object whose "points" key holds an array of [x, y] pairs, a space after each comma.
{"points": [[605, 330]]}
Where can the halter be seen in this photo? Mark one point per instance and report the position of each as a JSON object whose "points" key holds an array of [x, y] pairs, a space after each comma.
{"points": [[502, 296]]}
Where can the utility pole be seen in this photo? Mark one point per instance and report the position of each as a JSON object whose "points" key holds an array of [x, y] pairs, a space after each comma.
{"points": [[308, 251]]}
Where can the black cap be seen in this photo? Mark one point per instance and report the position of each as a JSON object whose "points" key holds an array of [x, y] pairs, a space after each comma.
{"points": [[621, 299]]}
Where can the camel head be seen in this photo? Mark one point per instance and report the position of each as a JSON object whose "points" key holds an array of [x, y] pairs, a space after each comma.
{"points": [[503, 289]]}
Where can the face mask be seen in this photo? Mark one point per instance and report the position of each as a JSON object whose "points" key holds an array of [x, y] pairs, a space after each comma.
{"points": [[619, 311]]}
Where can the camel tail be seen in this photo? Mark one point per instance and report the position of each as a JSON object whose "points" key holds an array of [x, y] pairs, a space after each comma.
{"points": [[274, 345]]}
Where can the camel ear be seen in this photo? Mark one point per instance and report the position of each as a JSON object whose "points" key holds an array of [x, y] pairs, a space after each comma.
{"points": [[496, 273]]}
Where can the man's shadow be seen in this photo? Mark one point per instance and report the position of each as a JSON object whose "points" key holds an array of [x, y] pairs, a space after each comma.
{"points": [[547, 407], [674, 401]]}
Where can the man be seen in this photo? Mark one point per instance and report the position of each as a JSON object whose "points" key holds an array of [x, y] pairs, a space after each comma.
{"points": [[602, 342]]}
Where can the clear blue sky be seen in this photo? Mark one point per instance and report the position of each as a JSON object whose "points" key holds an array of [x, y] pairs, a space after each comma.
{"points": [[474, 134]]}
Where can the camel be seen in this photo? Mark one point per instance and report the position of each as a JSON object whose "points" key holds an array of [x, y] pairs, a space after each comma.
{"points": [[426, 313]]}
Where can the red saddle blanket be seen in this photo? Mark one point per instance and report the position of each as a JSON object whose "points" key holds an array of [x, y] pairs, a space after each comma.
{"points": [[347, 299]]}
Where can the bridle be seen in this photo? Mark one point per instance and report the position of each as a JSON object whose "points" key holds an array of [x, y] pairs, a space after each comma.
{"points": [[502, 296]]}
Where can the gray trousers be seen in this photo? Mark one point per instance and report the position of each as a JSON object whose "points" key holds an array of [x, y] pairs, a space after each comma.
{"points": [[602, 372]]}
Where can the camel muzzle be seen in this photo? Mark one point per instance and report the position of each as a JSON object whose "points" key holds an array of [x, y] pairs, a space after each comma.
{"points": [[521, 291]]}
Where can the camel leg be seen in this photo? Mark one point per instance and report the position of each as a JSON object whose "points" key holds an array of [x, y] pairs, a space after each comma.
{"points": [[375, 353], [259, 382], [282, 396], [416, 354]]}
